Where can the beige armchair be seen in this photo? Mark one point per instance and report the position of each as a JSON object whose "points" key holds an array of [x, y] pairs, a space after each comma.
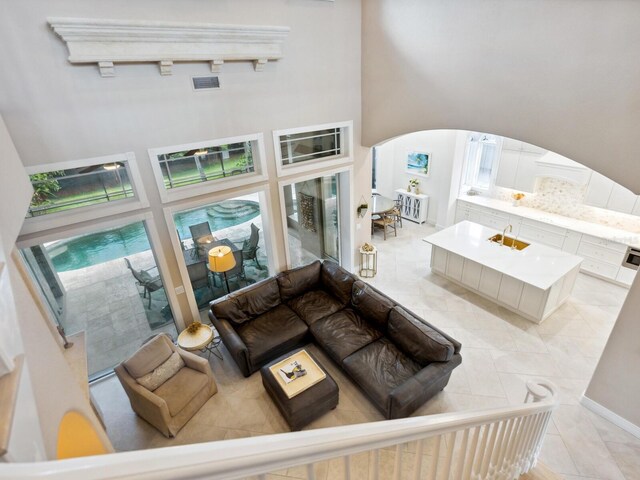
{"points": [[169, 406]]}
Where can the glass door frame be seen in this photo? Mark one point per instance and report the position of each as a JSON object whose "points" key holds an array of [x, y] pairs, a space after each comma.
{"points": [[345, 209], [266, 209], [154, 242]]}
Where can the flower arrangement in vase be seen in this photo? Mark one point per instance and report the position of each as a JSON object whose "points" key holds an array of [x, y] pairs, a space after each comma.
{"points": [[516, 198], [413, 186]]}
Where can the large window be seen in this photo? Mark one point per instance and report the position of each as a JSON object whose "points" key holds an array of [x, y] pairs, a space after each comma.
{"points": [[482, 153], [205, 164], [60, 190], [184, 171], [307, 148]]}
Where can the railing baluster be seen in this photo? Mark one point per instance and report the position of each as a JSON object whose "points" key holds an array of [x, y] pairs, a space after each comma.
{"points": [[417, 461], [531, 435], [347, 467], [503, 445], [436, 458], [486, 461], [462, 453], [374, 472], [311, 473], [451, 441], [486, 430], [397, 467], [472, 453]]}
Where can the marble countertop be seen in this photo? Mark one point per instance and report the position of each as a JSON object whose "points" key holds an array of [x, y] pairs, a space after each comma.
{"points": [[601, 231], [536, 265]]}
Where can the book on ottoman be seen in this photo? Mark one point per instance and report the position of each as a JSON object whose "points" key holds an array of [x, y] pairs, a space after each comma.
{"points": [[288, 373]]}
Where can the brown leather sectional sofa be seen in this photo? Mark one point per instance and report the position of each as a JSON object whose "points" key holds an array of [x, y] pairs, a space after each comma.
{"points": [[397, 359]]}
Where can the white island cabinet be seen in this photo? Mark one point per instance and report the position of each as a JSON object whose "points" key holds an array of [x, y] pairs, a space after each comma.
{"points": [[532, 282]]}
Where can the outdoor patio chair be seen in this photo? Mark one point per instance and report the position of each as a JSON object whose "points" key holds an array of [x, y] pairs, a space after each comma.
{"points": [[145, 280], [202, 237], [250, 246]]}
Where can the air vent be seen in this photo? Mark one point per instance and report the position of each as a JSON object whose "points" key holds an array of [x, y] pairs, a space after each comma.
{"points": [[202, 83]]}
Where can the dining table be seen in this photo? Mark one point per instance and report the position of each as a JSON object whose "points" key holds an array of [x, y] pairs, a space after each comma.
{"points": [[381, 204]]}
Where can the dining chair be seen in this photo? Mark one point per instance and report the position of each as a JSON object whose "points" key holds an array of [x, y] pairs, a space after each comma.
{"points": [[385, 222]]}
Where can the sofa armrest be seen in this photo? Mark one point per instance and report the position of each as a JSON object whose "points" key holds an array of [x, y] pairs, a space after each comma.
{"points": [[233, 342], [195, 362], [406, 398], [144, 402]]}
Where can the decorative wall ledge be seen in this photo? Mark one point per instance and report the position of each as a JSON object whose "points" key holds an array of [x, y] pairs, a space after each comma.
{"points": [[106, 42]]}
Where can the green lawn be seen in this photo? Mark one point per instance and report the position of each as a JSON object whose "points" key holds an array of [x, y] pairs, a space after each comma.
{"points": [[82, 199], [189, 176]]}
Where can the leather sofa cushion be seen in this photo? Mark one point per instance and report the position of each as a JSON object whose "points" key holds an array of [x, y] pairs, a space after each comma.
{"points": [[337, 280], [271, 332], [378, 368], [152, 354], [248, 303], [314, 305], [417, 339], [296, 281], [180, 389], [343, 333], [162, 372], [372, 305]]}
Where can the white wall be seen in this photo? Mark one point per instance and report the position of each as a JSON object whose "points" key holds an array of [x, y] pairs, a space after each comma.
{"points": [[560, 75], [56, 111], [391, 171]]}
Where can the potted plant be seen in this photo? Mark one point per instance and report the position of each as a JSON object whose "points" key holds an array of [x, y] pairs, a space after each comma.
{"points": [[362, 209], [413, 185]]}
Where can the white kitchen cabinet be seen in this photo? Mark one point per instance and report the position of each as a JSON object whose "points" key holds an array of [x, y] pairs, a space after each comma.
{"points": [[510, 291], [526, 174], [571, 242], [621, 199], [539, 232], [626, 275], [439, 260], [490, 282], [532, 300], [471, 274], [507, 168], [462, 211], [455, 264], [598, 190]]}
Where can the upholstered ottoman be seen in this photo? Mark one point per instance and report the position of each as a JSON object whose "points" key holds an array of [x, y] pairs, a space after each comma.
{"points": [[306, 406]]}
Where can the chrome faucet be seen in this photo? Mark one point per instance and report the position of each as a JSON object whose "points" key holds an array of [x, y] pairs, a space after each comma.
{"points": [[504, 232]]}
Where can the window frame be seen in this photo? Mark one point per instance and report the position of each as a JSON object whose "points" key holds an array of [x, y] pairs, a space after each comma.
{"points": [[91, 212], [346, 209], [187, 191], [494, 166], [266, 211], [343, 158]]}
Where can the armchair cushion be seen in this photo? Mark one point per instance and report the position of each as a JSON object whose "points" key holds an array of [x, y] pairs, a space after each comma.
{"points": [[343, 333], [180, 389], [314, 305], [372, 305], [337, 280], [296, 281], [417, 339], [153, 353], [162, 372], [248, 303], [272, 334]]}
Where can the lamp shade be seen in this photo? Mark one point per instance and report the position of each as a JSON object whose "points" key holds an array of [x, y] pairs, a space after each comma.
{"points": [[221, 259]]}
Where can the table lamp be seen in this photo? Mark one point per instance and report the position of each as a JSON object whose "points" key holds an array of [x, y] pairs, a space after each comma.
{"points": [[221, 260]]}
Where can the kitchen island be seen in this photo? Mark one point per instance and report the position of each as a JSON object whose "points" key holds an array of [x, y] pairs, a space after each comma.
{"points": [[532, 282]]}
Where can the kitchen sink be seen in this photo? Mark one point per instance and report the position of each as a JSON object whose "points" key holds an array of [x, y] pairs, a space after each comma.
{"points": [[509, 242]]}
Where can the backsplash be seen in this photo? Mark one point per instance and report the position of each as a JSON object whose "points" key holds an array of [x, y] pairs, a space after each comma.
{"points": [[565, 198]]}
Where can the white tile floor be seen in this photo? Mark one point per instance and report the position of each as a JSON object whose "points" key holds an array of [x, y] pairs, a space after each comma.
{"points": [[500, 352]]}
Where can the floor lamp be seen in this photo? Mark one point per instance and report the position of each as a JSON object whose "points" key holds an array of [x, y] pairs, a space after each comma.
{"points": [[221, 260]]}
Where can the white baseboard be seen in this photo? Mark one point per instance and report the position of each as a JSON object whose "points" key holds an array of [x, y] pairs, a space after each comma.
{"points": [[607, 414]]}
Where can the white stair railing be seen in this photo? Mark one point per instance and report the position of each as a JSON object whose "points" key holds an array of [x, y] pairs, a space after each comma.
{"points": [[500, 443]]}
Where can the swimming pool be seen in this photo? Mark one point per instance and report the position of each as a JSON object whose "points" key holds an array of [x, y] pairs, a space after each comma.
{"points": [[94, 248]]}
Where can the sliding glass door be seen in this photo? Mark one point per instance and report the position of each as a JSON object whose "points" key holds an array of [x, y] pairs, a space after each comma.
{"points": [[105, 283], [313, 219]]}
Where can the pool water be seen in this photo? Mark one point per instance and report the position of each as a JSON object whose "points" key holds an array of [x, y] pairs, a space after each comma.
{"points": [[94, 248]]}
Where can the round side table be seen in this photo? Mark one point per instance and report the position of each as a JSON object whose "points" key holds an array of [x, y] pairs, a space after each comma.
{"points": [[200, 341]]}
